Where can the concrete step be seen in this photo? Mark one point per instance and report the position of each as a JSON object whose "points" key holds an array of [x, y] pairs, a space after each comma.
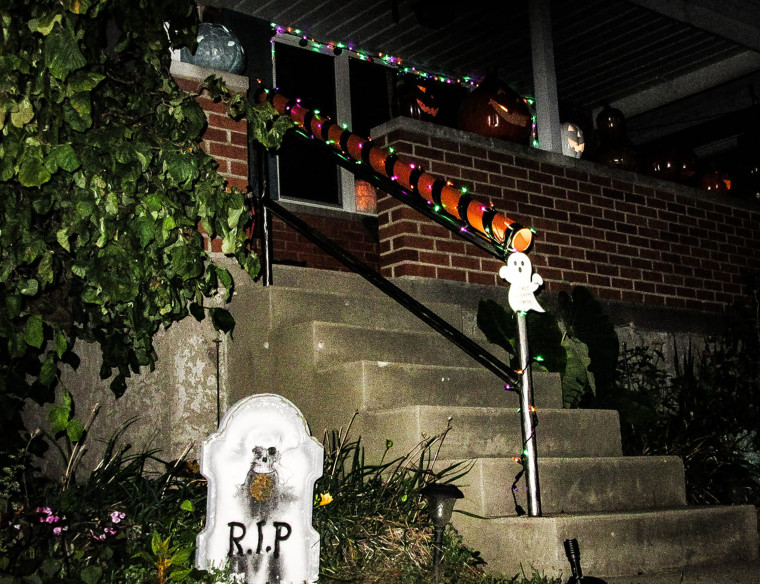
{"points": [[377, 385], [282, 307], [742, 572], [320, 345], [478, 432], [576, 485], [616, 544]]}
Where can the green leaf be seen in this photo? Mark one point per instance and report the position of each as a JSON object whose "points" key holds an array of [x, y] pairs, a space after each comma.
{"points": [[222, 320], [577, 379], [45, 24], [45, 269], [33, 333], [91, 574], [62, 54], [155, 542], [64, 156], [187, 505], [178, 575], [49, 370], [75, 430], [62, 236], [85, 81], [58, 415], [197, 311], [13, 304], [61, 343], [32, 172], [22, 114]]}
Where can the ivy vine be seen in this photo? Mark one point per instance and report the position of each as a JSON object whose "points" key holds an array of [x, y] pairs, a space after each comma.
{"points": [[103, 186]]}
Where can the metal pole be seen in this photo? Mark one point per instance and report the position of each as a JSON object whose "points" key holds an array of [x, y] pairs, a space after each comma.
{"points": [[530, 461]]}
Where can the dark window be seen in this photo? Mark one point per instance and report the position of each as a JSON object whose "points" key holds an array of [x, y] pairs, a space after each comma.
{"points": [[311, 76], [370, 99]]}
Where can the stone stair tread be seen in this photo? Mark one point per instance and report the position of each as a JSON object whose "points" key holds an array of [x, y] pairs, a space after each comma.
{"points": [[289, 305], [390, 384], [483, 432], [617, 543], [340, 343], [726, 573], [574, 485]]}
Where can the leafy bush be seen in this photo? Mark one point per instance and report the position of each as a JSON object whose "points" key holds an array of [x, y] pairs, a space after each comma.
{"points": [[706, 412], [577, 340]]}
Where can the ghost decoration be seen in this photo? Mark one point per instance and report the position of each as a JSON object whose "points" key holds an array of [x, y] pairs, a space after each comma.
{"points": [[519, 273]]}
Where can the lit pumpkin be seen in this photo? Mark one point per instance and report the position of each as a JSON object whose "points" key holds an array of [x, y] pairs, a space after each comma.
{"points": [[573, 143], [717, 182], [611, 125], [366, 196], [416, 98], [495, 110]]}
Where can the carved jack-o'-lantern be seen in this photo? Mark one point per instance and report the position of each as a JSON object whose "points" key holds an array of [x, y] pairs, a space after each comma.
{"points": [[573, 143], [673, 164], [415, 98], [611, 124], [494, 109], [716, 182]]}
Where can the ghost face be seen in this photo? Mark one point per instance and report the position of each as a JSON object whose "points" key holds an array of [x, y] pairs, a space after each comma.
{"points": [[518, 269], [264, 459]]}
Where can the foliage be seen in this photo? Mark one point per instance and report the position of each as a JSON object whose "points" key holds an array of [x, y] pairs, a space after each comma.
{"points": [[103, 185], [127, 524], [706, 412], [578, 342], [376, 527]]}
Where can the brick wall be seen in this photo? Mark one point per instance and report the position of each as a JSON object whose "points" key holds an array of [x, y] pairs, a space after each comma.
{"points": [[356, 233], [224, 138], [626, 237]]}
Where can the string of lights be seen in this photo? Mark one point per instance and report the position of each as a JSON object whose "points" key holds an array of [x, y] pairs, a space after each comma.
{"points": [[453, 203]]}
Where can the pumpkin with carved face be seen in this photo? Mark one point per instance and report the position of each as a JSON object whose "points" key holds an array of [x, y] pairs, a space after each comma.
{"points": [[573, 143], [495, 110], [416, 98]]}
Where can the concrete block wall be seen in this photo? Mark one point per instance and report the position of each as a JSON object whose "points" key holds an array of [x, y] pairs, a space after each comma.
{"points": [[627, 237]]}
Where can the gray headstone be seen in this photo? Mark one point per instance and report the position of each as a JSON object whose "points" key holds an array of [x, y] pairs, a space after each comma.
{"points": [[261, 466]]}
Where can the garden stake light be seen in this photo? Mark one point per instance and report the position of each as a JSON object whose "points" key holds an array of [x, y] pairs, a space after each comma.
{"points": [[441, 500]]}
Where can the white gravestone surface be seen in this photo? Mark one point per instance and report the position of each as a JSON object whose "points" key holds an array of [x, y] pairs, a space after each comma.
{"points": [[261, 466]]}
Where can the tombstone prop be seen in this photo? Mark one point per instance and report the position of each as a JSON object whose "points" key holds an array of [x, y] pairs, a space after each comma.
{"points": [[261, 466]]}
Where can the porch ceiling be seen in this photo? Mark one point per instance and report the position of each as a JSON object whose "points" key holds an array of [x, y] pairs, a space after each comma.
{"points": [[669, 65]]}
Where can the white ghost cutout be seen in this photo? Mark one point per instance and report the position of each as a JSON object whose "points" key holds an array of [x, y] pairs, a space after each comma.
{"points": [[519, 273]]}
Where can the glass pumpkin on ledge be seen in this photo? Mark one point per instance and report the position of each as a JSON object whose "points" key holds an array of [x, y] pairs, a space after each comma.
{"points": [[217, 49]]}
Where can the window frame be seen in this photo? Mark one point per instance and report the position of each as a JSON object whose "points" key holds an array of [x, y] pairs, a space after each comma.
{"points": [[346, 182]]}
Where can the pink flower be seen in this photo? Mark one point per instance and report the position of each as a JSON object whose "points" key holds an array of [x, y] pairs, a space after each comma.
{"points": [[59, 530], [52, 519], [117, 516]]}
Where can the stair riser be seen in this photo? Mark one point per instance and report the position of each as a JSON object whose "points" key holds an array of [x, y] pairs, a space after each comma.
{"points": [[490, 432], [380, 386], [323, 345], [618, 543], [577, 485], [291, 306]]}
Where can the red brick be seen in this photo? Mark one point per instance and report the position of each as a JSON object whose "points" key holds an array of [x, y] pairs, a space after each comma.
{"points": [[228, 151], [450, 274]]}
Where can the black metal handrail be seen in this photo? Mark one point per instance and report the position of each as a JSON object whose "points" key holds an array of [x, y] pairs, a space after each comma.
{"points": [[473, 349]]}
